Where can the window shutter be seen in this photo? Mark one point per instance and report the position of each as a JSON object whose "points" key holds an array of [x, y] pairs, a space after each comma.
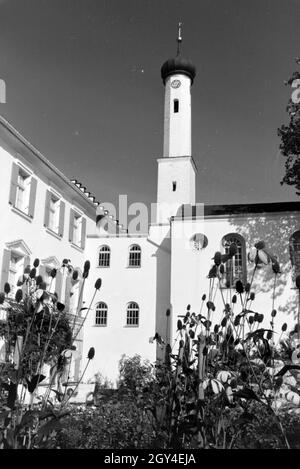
{"points": [[47, 208], [83, 232], [13, 184], [5, 267], [61, 218], [71, 225], [32, 197], [58, 284]]}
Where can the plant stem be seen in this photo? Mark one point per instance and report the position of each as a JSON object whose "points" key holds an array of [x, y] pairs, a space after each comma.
{"points": [[298, 315], [81, 325], [201, 359], [64, 403], [47, 343], [78, 304], [273, 295]]}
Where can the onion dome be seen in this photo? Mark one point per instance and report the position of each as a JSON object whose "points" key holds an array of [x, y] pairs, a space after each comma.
{"points": [[178, 65]]}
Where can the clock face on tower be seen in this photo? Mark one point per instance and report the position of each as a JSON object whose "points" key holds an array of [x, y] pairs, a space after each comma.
{"points": [[176, 83]]}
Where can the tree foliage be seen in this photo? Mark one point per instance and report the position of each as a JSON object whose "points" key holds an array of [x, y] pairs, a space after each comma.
{"points": [[134, 373], [290, 135]]}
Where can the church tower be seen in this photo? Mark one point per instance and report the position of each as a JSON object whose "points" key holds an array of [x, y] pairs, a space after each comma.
{"points": [[176, 170]]}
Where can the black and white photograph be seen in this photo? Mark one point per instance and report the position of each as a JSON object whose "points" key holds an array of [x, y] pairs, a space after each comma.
{"points": [[150, 227]]}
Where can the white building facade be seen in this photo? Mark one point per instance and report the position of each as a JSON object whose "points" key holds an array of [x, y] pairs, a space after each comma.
{"points": [[148, 278], [44, 216]]}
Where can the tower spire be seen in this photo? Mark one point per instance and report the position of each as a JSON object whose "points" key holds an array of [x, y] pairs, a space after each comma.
{"points": [[179, 38]]}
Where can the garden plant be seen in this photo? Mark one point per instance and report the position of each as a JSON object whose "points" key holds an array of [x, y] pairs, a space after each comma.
{"points": [[37, 337], [230, 380], [226, 382]]}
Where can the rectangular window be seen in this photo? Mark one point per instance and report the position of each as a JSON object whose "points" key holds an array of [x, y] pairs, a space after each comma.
{"points": [[77, 229], [13, 270], [176, 105], [54, 213], [174, 185], [22, 190], [54, 207], [16, 268]]}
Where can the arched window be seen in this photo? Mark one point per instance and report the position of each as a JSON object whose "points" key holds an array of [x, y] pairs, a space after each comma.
{"points": [[104, 256], [133, 312], [235, 268], [135, 256], [101, 314], [295, 253]]}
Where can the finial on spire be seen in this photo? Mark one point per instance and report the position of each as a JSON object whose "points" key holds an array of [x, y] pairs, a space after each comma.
{"points": [[179, 38]]}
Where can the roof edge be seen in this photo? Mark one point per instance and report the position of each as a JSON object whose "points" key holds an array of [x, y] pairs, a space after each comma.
{"points": [[43, 159]]}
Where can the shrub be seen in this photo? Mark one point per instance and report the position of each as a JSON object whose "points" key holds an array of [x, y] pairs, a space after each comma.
{"points": [[134, 374]]}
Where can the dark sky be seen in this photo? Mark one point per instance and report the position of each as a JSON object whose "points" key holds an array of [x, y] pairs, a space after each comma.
{"points": [[83, 85]]}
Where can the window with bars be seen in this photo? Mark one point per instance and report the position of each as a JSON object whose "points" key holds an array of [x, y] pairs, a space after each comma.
{"points": [[235, 268], [294, 246], [101, 314], [104, 256], [135, 253], [133, 311]]}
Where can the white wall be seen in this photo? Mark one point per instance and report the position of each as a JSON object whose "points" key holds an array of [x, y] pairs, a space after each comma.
{"points": [[189, 269], [120, 285], [15, 226], [177, 126], [173, 274], [148, 286], [181, 170], [37, 240]]}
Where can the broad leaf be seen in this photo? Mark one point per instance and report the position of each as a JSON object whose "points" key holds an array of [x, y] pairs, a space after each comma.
{"points": [[36, 379]]}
